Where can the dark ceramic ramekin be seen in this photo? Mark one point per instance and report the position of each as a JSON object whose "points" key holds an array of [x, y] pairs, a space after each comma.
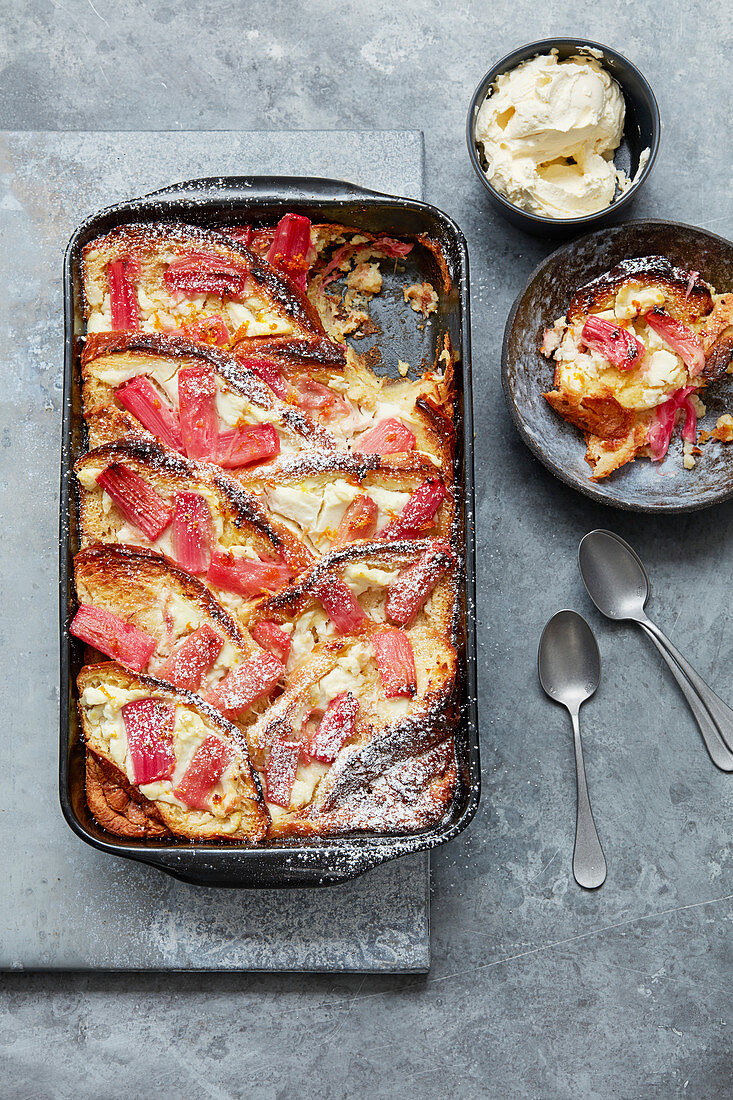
{"points": [[641, 131]]}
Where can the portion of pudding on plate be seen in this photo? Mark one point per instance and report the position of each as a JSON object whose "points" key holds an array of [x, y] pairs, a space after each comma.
{"points": [[636, 346]]}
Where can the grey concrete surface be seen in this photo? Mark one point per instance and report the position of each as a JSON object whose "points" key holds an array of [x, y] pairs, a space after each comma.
{"points": [[536, 989], [65, 905]]}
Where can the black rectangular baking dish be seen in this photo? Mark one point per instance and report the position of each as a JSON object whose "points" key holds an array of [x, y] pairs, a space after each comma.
{"points": [[214, 202]]}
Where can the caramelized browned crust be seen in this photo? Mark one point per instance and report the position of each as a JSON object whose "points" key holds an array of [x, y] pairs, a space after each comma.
{"points": [[141, 240], [643, 271], [410, 464], [607, 455], [118, 806], [441, 424], [723, 430], [223, 361], [318, 351], [601, 416], [716, 335], [363, 763]]}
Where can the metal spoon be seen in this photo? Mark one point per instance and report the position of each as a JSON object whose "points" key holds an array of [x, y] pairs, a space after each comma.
{"points": [[569, 667], [617, 582]]}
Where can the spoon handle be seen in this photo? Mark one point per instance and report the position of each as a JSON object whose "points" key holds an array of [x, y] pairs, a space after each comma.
{"points": [[589, 863], [698, 700]]}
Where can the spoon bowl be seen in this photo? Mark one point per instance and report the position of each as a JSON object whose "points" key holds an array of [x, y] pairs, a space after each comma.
{"points": [[568, 662], [613, 575]]}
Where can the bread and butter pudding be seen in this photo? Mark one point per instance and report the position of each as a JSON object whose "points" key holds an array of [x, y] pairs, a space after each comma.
{"points": [[270, 553], [631, 355]]}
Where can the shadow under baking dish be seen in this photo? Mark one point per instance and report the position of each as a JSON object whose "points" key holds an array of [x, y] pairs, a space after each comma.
{"points": [[214, 202]]}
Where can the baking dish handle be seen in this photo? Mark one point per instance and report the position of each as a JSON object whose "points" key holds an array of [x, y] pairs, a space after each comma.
{"points": [[270, 189]]}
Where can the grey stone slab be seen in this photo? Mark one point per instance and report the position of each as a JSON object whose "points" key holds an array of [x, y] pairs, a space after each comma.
{"points": [[63, 904], [536, 989]]}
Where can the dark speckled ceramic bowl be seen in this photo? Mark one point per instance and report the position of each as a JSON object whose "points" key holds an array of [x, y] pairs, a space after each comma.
{"points": [[640, 486]]}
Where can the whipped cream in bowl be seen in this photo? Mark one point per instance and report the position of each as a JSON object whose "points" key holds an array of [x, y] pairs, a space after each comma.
{"points": [[562, 133]]}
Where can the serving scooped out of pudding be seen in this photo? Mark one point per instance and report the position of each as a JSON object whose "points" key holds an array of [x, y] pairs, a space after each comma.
{"points": [[634, 349]]}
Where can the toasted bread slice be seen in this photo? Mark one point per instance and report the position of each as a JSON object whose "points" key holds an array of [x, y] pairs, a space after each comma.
{"points": [[359, 399], [368, 569], [405, 797], [264, 302], [606, 455], [108, 361], [239, 522], [598, 415], [235, 807], [313, 405], [687, 297], [308, 495], [161, 600], [298, 355]]}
